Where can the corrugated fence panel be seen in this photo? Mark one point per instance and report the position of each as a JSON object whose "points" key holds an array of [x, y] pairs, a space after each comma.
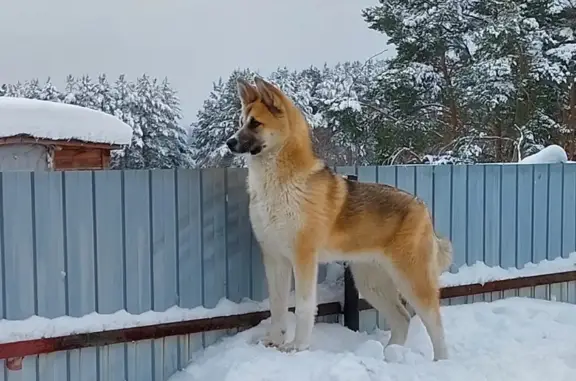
{"points": [[19, 251], [368, 319], [190, 288], [77, 242], [569, 223], [442, 204], [214, 240], [459, 225], [540, 222], [442, 200], [555, 210], [525, 217], [568, 209], [110, 262], [508, 217], [492, 218], [19, 255], [475, 219], [138, 253], [50, 263], [164, 264], [238, 235], [492, 214], [81, 265], [406, 178], [541, 205], [425, 186]]}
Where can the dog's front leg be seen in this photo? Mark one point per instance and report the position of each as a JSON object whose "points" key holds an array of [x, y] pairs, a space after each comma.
{"points": [[278, 271], [305, 275]]}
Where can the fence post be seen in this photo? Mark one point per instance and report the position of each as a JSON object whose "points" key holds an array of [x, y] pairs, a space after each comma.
{"points": [[350, 309]]}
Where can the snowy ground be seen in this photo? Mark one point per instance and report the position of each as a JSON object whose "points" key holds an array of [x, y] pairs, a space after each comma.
{"points": [[506, 340]]}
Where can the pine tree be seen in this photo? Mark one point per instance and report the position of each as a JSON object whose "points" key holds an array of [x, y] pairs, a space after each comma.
{"points": [[330, 99], [70, 90], [50, 93], [164, 139], [216, 121], [422, 83], [562, 52], [84, 93], [103, 95], [473, 81], [15, 90], [514, 79], [31, 89], [125, 102], [348, 104]]}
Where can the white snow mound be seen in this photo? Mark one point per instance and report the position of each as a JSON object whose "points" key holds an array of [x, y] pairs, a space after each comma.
{"points": [[60, 121], [511, 339], [549, 155]]}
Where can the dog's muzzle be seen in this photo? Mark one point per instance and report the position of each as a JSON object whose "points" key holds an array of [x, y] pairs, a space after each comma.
{"points": [[239, 147]]}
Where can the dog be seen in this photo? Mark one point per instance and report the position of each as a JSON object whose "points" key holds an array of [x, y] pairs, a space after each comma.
{"points": [[303, 214]]}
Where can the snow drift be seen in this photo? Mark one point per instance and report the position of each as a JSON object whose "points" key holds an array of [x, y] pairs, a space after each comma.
{"points": [[512, 339]]}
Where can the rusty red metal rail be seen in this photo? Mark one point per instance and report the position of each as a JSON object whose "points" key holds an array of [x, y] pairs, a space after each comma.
{"points": [[14, 352]]}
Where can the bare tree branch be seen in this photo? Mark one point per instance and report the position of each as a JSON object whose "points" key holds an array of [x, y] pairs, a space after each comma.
{"points": [[402, 150]]}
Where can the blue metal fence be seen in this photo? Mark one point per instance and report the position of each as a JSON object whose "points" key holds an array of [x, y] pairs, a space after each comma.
{"points": [[72, 243]]}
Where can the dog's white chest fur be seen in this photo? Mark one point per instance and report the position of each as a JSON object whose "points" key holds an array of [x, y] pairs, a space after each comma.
{"points": [[275, 209]]}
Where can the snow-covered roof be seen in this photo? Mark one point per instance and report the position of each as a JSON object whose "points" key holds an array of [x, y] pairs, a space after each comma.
{"points": [[60, 121]]}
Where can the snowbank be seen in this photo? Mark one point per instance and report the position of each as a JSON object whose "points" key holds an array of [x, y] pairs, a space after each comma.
{"points": [[511, 339], [549, 155], [60, 121]]}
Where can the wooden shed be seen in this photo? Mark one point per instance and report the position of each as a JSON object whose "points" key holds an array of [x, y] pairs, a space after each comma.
{"points": [[42, 135]]}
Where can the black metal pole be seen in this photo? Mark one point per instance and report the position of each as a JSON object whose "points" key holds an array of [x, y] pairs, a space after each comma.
{"points": [[351, 309]]}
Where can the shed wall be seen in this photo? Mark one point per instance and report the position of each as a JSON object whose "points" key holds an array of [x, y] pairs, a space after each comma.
{"points": [[23, 157], [78, 158]]}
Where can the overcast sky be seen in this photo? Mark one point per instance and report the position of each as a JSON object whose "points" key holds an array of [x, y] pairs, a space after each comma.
{"points": [[192, 42]]}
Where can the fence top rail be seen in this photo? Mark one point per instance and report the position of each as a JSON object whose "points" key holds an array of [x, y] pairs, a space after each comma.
{"points": [[350, 167]]}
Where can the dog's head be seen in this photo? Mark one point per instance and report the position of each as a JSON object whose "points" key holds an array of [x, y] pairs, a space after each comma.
{"points": [[263, 121]]}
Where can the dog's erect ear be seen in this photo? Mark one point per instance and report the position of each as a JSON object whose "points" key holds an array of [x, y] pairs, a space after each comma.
{"points": [[246, 92], [269, 94]]}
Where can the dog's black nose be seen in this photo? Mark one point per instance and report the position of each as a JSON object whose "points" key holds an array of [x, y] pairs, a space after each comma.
{"points": [[232, 143]]}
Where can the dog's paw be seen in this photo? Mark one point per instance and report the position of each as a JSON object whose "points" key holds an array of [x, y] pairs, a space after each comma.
{"points": [[293, 346], [274, 338]]}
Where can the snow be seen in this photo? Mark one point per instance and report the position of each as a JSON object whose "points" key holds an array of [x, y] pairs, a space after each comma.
{"points": [[331, 290], [481, 273], [511, 339], [60, 121], [551, 154]]}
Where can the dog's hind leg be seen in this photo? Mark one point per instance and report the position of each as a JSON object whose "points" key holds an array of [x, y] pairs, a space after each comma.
{"points": [[378, 288], [418, 283]]}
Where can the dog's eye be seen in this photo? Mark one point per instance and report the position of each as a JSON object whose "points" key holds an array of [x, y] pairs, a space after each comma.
{"points": [[254, 123]]}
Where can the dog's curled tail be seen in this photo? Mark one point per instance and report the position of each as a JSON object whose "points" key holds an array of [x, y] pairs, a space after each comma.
{"points": [[443, 254]]}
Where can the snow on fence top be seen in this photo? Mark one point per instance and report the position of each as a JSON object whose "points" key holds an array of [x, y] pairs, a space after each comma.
{"points": [[331, 290], [548, 155], [60, 121]]}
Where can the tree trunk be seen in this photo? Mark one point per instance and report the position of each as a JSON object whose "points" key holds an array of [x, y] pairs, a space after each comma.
{"points": [[572, 119], [450, 102], [498, 131]]}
